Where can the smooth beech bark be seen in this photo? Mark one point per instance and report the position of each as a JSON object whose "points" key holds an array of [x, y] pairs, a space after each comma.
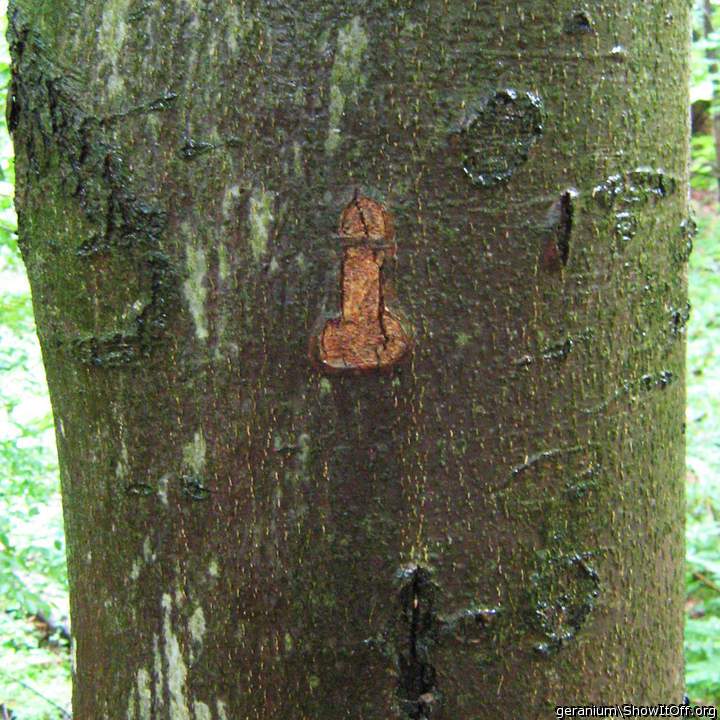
{"points": [[488, 523]]}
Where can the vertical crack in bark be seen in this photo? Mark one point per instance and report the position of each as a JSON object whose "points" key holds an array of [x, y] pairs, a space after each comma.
{"points": [[417, 688], [381, 309], [567, 213], [361, 215], [560, 222]]}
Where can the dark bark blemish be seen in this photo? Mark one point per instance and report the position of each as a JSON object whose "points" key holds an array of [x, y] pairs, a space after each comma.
{"points": [[419, 628], [499, 135], [619, 54], [115, 348], [465, 625], [646, 382], [138, 10], [544, 455], [560, 221], [626, 225], [560, 350], [684, 247], [635, 189], [579, 22], [419, 625], [584, 483], [161, 104], [524, 361], [139, 489], [628, 194], [678, 319], [564, 592], [192, 149], [556, 351], [657, 381], [194, 488], [539, 457]]}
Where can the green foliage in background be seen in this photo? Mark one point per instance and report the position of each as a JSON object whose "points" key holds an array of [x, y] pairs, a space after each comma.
{"points": [[35, 660], [705, 93], [702, 636], [34, 665], [702, 627]]}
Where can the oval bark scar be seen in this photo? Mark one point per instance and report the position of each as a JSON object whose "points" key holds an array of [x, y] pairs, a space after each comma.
{"points": [[367, 335], [499, 135]]}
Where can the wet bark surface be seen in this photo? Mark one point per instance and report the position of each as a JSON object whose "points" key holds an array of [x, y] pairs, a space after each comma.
{"points": [[487, 528]]}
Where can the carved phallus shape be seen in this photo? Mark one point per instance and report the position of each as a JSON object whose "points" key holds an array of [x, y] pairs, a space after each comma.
{"points": [[367, 335]]}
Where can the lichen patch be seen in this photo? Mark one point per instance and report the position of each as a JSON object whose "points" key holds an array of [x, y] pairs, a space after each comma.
{"points": [[346, 80], [111, 38], [194, 453], [158, 673], [232, 193], [237, 26], [175, 663], [144, 694], [214, 569], [132, 705], [260, 220], [135, 570], [195, 289], [202, 711], [148, 554], [163, 488], [222, 712], [196, 626]]}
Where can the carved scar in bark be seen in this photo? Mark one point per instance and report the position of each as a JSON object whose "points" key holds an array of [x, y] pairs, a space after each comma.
{"points": [[367, 335]]}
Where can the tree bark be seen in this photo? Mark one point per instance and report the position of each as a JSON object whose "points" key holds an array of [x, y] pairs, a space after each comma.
{"points": [[262, 522]]}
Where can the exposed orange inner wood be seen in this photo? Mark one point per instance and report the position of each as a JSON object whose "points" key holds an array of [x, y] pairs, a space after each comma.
{"points": [[367, 335]]}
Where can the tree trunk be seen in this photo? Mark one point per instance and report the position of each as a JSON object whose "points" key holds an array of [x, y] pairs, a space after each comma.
{"points": [[364, 332]]}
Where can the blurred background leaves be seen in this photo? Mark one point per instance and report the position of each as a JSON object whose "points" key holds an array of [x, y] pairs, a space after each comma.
{"points": [[702, 628], [34, 647]]}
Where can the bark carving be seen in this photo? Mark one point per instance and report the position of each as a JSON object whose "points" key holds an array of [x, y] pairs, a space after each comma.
{"points": [[367, 335]]}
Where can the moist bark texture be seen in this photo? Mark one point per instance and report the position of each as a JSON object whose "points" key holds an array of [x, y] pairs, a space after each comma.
{"points": [[486, 529]]}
